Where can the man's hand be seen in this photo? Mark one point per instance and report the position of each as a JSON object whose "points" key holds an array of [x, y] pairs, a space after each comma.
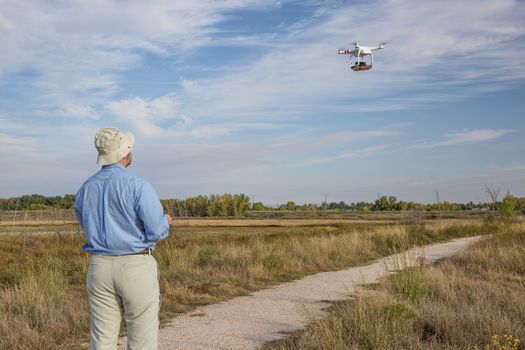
{"points": [[169, 219]]}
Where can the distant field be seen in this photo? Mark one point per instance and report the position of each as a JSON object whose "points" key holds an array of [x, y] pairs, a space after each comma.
{"points": [[226, 222], [46, 222], [68, 215], [42, 292], [56, 227]]}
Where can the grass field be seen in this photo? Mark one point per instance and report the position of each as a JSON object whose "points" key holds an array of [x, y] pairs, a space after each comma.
{"points": [[475, 300], [42, 294]]}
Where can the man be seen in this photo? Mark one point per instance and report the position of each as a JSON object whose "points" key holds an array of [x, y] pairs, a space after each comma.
{"points": [[122, 218]]}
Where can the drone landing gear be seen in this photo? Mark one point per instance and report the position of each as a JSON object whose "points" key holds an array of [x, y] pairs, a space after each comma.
{"points": [[361, 66]]}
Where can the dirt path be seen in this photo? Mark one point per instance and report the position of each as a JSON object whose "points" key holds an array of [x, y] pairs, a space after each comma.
{"points": [[250, 321]]}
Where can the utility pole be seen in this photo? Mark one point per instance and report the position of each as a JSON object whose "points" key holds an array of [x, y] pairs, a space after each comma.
{"points": [[253, 199], [325, 199]]}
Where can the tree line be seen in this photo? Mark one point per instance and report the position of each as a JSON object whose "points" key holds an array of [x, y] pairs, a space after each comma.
{"points": [[37, 202], [238, 204], [213, 205], [390, 203]]}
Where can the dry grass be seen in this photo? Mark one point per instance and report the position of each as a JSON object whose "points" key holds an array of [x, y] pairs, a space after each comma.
{"points": [[471, 300], [269, 222], [39, 223], [250, 218], [42, 297], [210, 222]]}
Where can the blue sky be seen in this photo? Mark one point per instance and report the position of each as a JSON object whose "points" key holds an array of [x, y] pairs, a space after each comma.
{"points": [[249, 96]]}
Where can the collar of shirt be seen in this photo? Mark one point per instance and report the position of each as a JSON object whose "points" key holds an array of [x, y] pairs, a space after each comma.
{"points": [[114, 165]]}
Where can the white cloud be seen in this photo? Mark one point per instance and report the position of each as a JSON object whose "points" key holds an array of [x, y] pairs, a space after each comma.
{"points": [[8, 124], [514, 167], [425, 61], [472, 136], [296, 143], [78, 111], [143, 113], [358, 153], [186, 120], [209, 131], [147, 116], [465, 137], [271, 155], [13, 147], [188, 85], [80, 47]]}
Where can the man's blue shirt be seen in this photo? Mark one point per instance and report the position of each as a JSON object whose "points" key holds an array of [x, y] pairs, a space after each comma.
{"points": [[119, 212]]}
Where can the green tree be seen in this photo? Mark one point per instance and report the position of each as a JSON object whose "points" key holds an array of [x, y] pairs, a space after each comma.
{"points": [[239, 203], [508, 206], [258, 206], [385, 203], [290, 205], [520, 204], [218, 206]]}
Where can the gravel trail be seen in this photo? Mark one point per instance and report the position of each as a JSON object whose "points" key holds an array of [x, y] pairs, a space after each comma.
{"points": [[248, 322]]}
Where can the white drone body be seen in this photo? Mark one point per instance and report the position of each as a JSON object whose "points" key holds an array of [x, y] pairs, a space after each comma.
{"points": [[360, 52]]}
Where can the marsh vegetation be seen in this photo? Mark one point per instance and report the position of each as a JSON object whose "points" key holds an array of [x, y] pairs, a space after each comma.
{"points": [[475, 300], [42, 293]]}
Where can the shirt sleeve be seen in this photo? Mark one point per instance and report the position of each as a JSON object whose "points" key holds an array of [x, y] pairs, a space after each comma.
{"points": [[78, 205], [149, 210]]}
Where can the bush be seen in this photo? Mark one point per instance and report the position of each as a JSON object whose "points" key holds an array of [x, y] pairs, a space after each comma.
{"points": [[500, 342], [508, 207], [410, 284]]}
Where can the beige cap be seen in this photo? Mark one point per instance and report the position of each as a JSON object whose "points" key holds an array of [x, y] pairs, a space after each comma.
{"points": [[112, 145]]}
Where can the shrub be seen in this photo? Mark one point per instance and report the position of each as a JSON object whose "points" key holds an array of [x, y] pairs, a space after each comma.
{"points": [[500, 342], [410, 284], [508, 207]]}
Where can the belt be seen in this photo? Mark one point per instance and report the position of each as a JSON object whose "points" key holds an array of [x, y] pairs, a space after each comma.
{"points": [[147, 251]]}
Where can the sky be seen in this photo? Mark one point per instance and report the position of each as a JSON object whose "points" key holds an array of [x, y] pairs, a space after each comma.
{"points": [[250, 96]]}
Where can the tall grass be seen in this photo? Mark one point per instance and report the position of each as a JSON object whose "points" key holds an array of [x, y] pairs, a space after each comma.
{"points": [[42, 296], [475, 300]]}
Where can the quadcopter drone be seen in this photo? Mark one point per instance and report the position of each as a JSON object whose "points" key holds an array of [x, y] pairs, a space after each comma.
{"points": [[361, 52]]}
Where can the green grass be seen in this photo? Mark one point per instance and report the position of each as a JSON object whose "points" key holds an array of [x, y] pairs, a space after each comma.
{"points": [[42, 294]]}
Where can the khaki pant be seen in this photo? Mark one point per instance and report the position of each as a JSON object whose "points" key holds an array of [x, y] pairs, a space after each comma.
{"points": [[123, 285]]}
